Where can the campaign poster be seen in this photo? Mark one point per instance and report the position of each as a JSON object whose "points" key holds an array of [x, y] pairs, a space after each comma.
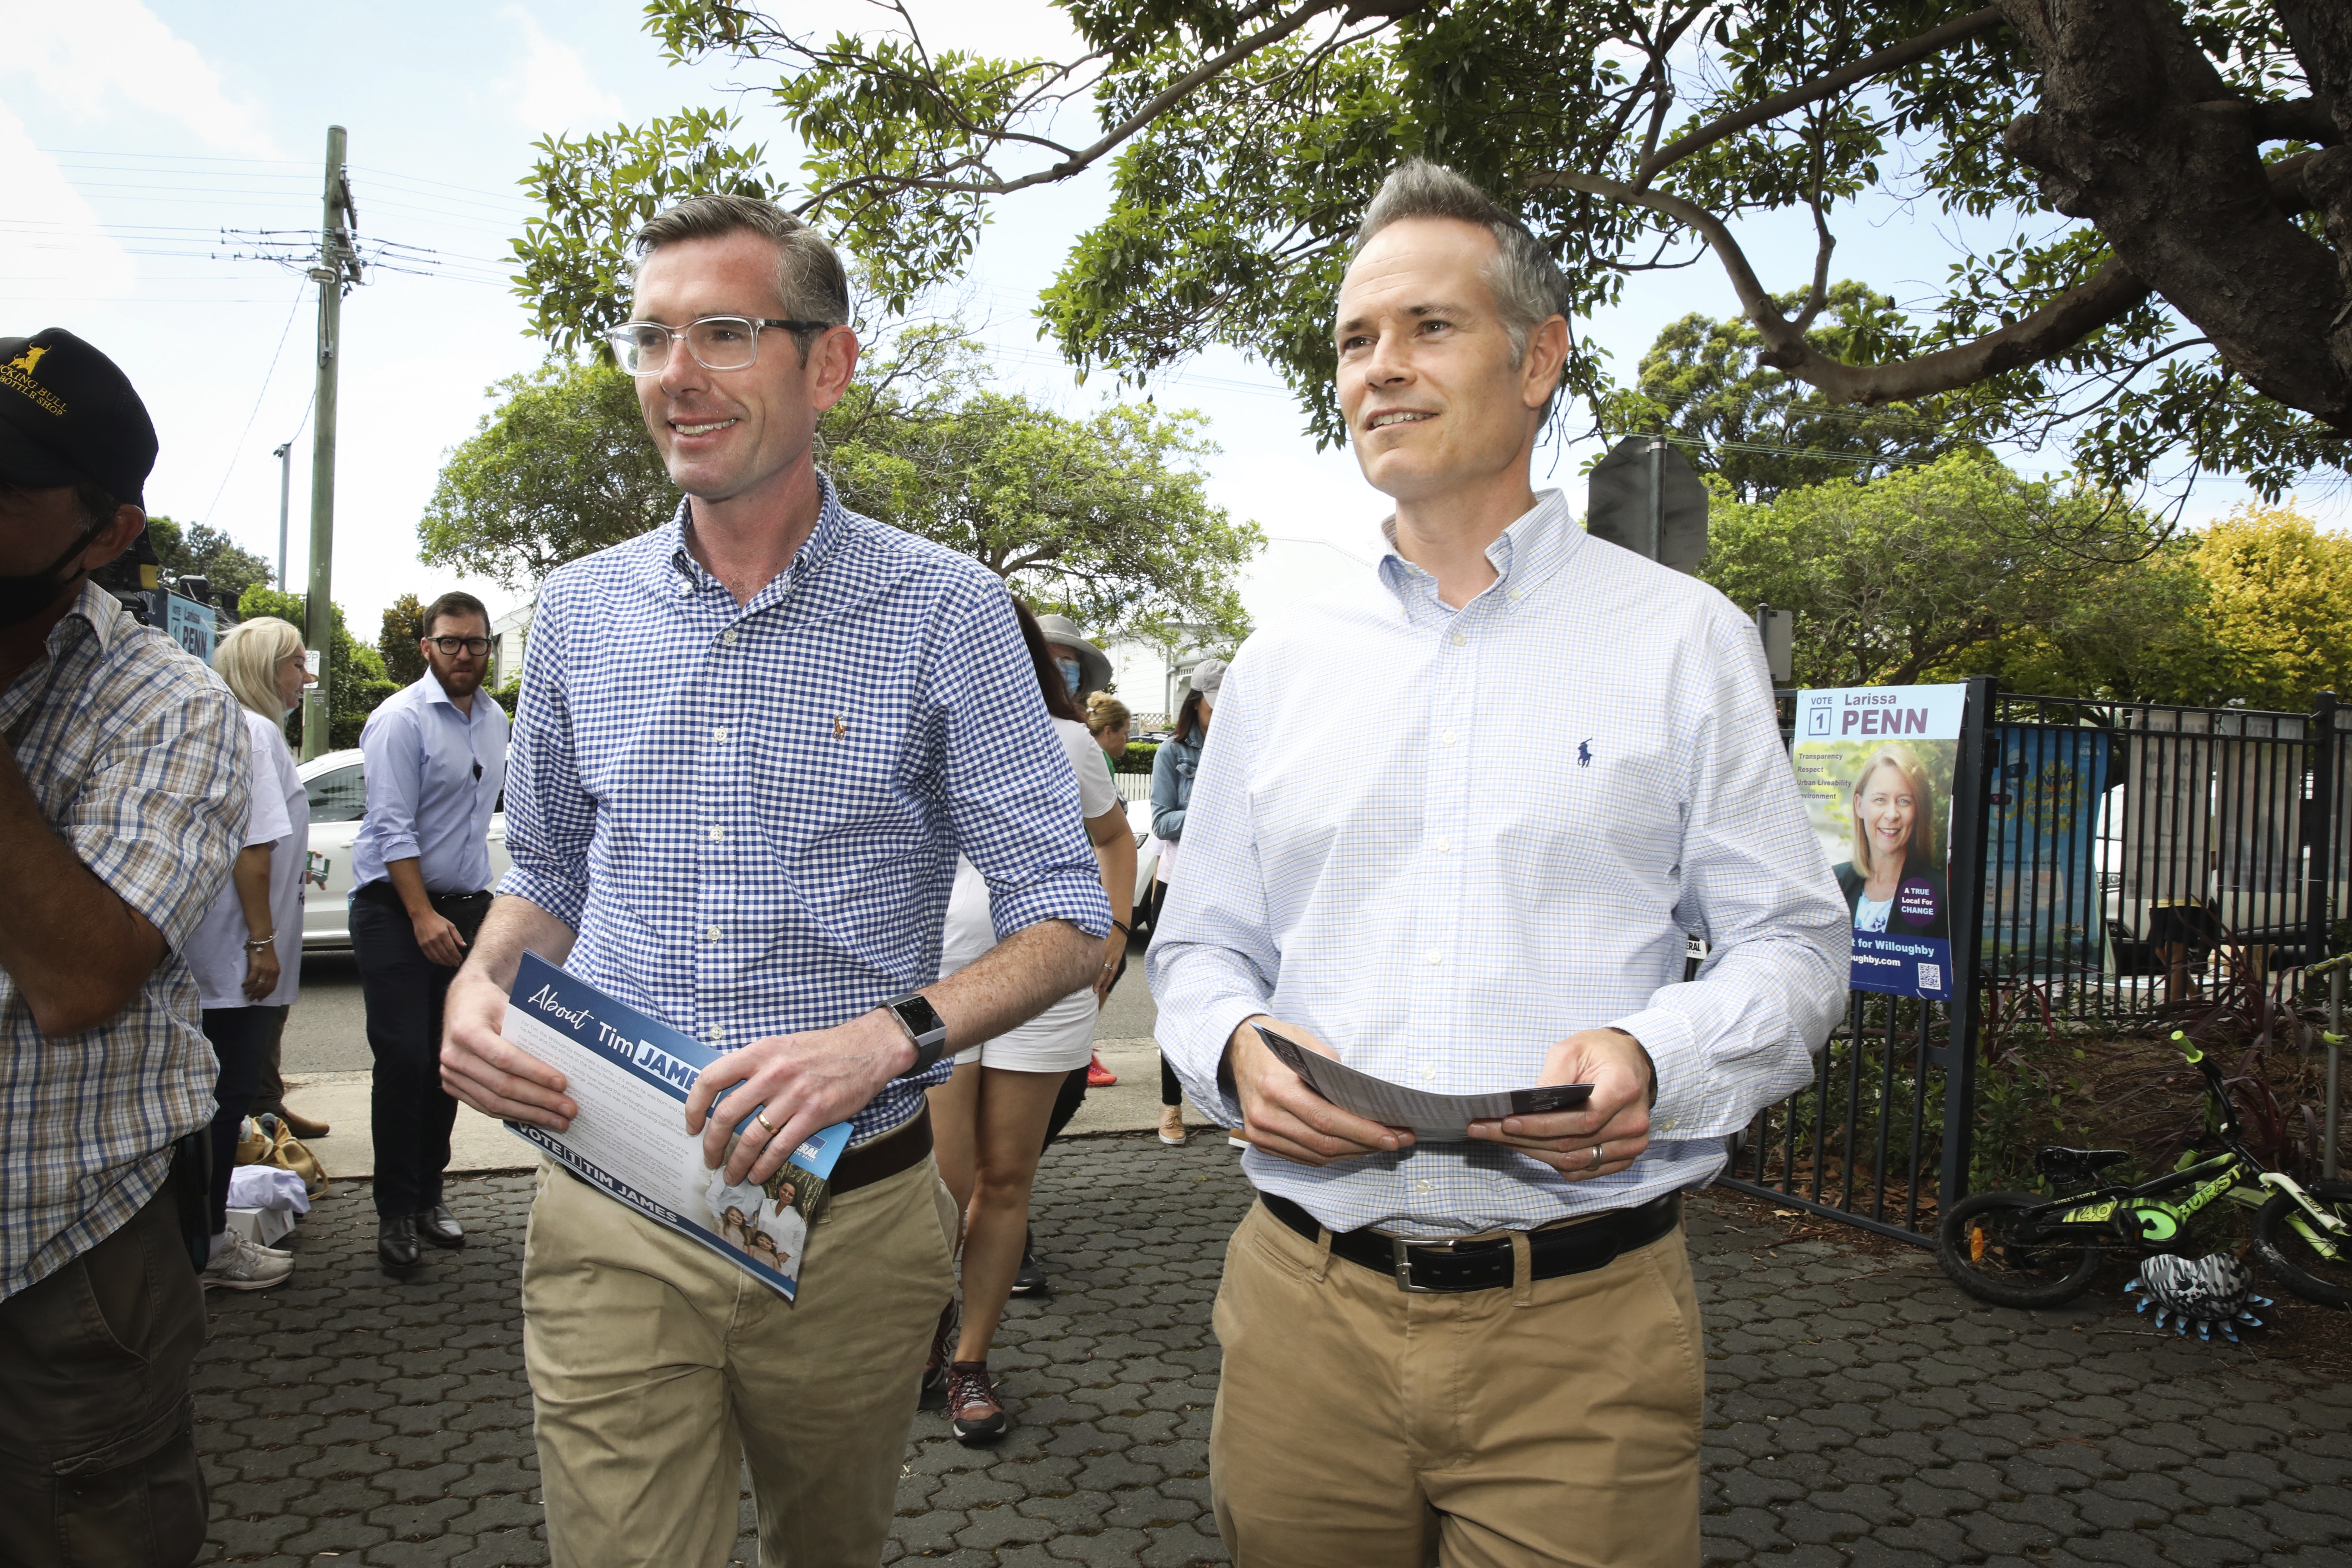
{"points": [[1874, 765]]}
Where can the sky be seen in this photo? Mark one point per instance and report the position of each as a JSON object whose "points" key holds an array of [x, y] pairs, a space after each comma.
{"points": [[150, 153]]}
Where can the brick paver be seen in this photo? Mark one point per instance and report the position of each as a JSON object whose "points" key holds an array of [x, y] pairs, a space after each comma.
{"points": [[1860, 1411]]}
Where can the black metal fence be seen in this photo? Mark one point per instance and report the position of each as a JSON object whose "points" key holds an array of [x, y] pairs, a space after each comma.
{"points": [[2107, 859]]}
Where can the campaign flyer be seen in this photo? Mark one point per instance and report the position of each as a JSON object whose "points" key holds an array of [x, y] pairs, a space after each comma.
{"points": [[1875, 765], [630, 1075]]}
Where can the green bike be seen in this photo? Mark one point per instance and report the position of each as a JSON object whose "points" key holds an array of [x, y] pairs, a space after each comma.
{"points": [[2022, 1249]]}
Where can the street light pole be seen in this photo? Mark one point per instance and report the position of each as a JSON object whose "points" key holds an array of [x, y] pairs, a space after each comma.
{"points": [[337, 260], [285, 456]]}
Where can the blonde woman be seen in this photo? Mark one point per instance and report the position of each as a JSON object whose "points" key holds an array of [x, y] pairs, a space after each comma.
{"points": [[1895, 883], [246, 955]]}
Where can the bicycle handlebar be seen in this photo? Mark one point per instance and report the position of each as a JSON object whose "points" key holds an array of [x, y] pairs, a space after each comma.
{"points": [[2188, 1048]]}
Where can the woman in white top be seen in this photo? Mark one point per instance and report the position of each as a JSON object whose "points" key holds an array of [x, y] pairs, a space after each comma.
{"points": [[989, 1121], [246, 956]]}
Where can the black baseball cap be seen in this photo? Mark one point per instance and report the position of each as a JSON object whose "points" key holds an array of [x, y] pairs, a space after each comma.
{"points": [[68, 416]]}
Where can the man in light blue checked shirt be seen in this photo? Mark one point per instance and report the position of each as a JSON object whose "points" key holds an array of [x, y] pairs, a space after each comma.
{"points": [[749, 748], [1560, 759]]}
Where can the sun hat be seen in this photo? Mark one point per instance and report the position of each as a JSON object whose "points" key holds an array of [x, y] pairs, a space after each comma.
{"points": [[1094, 667]]}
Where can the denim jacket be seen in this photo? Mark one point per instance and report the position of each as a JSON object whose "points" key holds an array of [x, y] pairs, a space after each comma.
{"points": [[1171, 785]]}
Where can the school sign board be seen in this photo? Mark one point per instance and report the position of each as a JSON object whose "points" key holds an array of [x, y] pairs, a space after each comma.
{"points": [[1874, 766]]}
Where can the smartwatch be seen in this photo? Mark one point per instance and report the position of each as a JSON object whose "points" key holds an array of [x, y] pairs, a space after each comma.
{"points": [[924, 1026]]}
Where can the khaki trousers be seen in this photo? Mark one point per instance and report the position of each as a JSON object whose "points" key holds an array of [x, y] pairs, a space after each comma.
{"points": [[658, 1368], [1358, 1426]]}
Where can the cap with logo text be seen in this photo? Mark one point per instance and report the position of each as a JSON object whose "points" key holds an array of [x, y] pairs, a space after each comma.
{"points": [[69, 417]]}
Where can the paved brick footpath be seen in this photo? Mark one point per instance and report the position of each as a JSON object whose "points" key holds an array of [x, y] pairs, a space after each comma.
{"points": [[1860, 1411]]}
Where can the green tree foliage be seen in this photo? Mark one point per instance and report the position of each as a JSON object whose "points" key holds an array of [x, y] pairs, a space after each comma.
{"points": [[562, 467], [404, 627], [2172, 300], [1103, 518], [201, 550], [1760, 430], [1932, 569], [356, 679], [2279, 602]]}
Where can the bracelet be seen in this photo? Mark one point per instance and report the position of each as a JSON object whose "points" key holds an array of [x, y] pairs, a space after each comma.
{"points": [[1120, 927], [256, 944]]}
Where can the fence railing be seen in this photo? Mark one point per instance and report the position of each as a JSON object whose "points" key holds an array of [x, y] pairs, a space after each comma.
{"points": [[2106, 858]]}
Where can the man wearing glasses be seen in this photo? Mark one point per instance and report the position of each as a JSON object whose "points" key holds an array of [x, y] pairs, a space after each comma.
{"points": [[436, 760], [753, 742]]}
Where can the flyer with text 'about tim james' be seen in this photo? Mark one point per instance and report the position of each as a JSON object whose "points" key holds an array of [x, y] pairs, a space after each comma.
{"points": [[630, 1075]]}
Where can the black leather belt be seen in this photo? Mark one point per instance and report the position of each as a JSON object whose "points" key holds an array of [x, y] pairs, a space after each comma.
{"points": [[1421, 1267]]}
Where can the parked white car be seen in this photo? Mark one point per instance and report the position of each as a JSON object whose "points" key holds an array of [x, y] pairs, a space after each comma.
{"points": [[338, 792]]}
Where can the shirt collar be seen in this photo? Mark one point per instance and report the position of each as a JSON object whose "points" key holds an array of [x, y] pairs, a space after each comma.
{"points": [[96, 608], [678, 564], [1536, 545]]}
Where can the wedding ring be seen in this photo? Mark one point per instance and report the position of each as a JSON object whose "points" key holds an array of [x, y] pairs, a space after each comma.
{"points": [[1596, 1154], [760, 1116]]}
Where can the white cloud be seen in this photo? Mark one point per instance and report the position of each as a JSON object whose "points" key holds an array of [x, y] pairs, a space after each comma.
{"points": [[552, 89], [92, 60], [50, 241]]}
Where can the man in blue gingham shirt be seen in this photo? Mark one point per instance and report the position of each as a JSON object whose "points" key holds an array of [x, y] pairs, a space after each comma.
{"points": [[750, 747], [1560, 759]]}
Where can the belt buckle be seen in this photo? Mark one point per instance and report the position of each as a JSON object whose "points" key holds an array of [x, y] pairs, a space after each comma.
{"points": [[1400, 1253]]}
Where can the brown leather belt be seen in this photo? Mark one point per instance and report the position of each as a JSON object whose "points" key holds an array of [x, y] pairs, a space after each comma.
{"points": [[1421, 1267], [886, 1156]]}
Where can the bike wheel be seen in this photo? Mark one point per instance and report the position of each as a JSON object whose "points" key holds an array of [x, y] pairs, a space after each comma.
{"points": [[2289, 1254], [1975, 1247]]}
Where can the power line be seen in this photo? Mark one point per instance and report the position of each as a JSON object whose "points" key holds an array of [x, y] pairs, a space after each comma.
{"points": [[238, 450]]}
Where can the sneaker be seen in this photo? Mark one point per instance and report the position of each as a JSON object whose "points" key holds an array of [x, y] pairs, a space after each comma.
{"points": [[1171, 1124], [1029, 1280], [934, 1396], [973, 1409], [1098, 1075], [241, 1266]]}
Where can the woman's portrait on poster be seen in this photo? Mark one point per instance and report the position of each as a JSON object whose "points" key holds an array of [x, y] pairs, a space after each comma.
{"points": [[1895, 883]]}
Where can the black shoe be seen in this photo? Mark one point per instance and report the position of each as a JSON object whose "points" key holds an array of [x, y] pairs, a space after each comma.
{"points": [[934, 1394], [395, 1242], [439, 1227], [1029, 1280]]}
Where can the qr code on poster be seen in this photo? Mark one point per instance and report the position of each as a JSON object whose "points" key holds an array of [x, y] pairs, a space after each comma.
{"points": [[1931, 977]]}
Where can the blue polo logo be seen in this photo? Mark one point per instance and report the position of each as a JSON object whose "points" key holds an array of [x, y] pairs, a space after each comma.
{"points": [[1584, 752]]}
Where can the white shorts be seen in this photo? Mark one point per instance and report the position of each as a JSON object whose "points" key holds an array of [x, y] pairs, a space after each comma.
{"points": [[1055, 1040]]}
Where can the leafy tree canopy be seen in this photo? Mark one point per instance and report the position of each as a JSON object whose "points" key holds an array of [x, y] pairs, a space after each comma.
{"points": [[356, 681], [2170, 178], [1103, 518], [200, 549], [2279, 605], [1762, 431], [395, 642]]}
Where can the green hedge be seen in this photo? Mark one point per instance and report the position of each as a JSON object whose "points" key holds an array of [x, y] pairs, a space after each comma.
{"points": [[1138, 757]]}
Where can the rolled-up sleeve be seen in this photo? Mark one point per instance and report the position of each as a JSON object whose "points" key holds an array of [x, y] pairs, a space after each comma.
{"points": [[162, 814], [1011, 795], [394, 764], [1741, 1034], [551, 817], [1213, 960]]}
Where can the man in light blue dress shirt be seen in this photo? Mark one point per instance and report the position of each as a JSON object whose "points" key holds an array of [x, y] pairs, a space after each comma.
{"points": [[1562, 759], [436, 761]]}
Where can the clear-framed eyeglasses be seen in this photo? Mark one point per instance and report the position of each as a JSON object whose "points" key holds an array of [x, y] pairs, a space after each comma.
{"points": [[717, 342]]}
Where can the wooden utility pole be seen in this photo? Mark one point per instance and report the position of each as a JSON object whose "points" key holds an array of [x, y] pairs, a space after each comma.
{"points": [[338, 265]]}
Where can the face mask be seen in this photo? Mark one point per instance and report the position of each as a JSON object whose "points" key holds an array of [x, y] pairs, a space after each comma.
{"points": [[23, 597], [1070, 674]]}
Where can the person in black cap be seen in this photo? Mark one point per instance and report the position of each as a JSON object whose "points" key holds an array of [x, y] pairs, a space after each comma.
{"points": [[124, 795]]}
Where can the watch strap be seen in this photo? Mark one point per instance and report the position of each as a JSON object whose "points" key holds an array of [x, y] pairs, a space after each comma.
{"points": [[923, 1027]]}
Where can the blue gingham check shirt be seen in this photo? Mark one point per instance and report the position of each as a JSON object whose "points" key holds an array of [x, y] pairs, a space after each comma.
{"points": [[139, 759], [750, 814], [1446, 839]]}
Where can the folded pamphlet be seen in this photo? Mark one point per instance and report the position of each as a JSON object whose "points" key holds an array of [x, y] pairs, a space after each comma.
{"points": [[630, 1075], [1433, 1118]]}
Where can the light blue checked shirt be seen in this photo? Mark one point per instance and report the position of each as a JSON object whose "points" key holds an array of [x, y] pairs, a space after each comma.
{"points": [[1446, 839], [750, 814], [433, 779], [139, 759]]}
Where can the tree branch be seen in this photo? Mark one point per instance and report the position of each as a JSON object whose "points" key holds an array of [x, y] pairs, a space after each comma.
{"points": [[1893, 57], [2091, 304], [2296, 120]]}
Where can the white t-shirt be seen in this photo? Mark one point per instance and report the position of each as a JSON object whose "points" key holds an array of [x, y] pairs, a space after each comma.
{"points": [[280, 818], [970, 928]]}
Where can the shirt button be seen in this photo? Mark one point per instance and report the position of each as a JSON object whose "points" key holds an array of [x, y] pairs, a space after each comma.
{"points": [[728, 636], [1447, 739], [716, 834], [719, 733], [1445, 845], [717, 1038], [712, 934], [1423, 1188], [1432, 956], [1460, 640]]}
